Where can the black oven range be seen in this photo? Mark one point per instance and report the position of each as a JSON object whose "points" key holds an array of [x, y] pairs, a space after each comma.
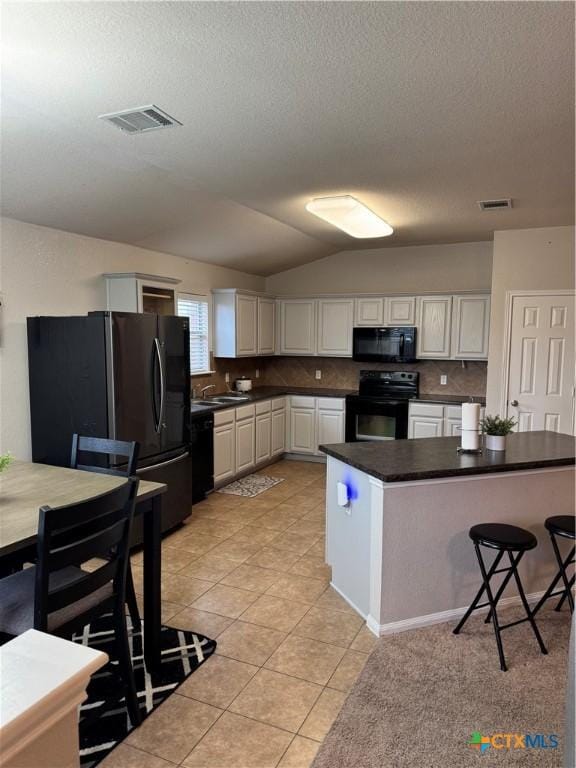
{"points": [[380, 409]]}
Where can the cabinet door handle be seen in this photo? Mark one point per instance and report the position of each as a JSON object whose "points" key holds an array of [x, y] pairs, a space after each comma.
{"points": [[514, 403]]}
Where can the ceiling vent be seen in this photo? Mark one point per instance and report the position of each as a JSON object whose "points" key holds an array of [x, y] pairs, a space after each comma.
{"points": [[140, 119], [495, 205]]}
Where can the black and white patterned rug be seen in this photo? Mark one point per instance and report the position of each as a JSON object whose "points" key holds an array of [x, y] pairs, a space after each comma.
{"points": [[104, 720], [251, 485]]}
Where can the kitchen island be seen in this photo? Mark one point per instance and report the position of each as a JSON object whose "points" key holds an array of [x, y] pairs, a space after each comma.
{"points": [[399, 548]]}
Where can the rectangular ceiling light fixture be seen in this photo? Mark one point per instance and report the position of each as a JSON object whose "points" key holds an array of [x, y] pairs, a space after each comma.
{"points": [[349, 215]]}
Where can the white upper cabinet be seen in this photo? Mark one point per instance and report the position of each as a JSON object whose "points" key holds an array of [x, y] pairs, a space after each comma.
{"points": [[335, 322], [434, 327], [369, 312], [243, 324], [137, 292], [266, 326], [400, 310], [297, 327], [246, 325], [470, 327]]}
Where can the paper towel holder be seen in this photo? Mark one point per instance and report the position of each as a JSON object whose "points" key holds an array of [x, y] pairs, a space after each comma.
{"points": [[472, 451]]}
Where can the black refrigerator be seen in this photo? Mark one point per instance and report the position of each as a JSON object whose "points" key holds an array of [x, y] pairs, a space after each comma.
{"points": [[119, 375]]}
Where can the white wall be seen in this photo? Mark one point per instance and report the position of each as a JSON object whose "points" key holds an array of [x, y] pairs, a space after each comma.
{"points": [[49, 272], [410, 269], [524, 259]]}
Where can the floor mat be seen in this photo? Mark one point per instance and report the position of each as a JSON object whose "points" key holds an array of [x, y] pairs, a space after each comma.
{"points": [[104, 720], [251, 485]]}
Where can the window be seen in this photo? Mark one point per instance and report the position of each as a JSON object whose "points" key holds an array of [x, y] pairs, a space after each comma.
{"points": [[197, 310]]}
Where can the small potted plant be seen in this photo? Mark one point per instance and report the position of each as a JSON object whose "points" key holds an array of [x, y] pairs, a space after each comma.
{"points": [[495, 430]]}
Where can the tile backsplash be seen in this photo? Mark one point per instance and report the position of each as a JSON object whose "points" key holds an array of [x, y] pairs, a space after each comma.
{"points": [[342, 373], [236, 367]]}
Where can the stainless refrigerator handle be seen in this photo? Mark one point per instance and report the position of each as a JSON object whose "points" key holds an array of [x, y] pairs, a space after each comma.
{"points": [[158, 425], [162, 358], [142, 470]]}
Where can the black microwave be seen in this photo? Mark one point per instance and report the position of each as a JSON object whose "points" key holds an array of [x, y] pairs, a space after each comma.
{"points": [[384, 345]]}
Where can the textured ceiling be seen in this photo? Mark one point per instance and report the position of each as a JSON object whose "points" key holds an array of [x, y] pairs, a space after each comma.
{"points": [[418, 109]]}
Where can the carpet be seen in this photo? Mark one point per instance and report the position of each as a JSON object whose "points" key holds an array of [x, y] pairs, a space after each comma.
{"points": [[104, 720], [251, 485], [423, 694]]}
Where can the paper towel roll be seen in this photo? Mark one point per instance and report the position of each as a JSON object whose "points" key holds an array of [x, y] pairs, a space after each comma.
{"points": [[470, 416], [470, 440]]}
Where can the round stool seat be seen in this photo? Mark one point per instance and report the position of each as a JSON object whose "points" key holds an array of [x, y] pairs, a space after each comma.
{"points": [[561, 525], [501, 536]]}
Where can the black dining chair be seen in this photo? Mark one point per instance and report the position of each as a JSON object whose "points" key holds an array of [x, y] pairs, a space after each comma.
{"points": [[57, 596], [86, 453]]}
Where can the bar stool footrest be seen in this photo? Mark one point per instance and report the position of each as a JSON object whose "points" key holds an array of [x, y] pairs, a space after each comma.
{"points": [[514, 623]]}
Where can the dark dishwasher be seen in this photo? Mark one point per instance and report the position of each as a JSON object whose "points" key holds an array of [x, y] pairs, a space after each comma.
{"points": [[202, 450]]}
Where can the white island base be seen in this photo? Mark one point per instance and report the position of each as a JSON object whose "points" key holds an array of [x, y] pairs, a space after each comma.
{"points": [[400, 552]]}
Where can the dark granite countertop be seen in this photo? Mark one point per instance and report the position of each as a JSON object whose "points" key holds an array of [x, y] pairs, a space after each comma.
{"points": [[451, 399], [434, 457], [264, 393]]}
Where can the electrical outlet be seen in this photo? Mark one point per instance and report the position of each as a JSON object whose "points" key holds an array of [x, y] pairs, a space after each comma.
{"points": [[443, 380], [257, 374], [227, 378], [318, 375]]}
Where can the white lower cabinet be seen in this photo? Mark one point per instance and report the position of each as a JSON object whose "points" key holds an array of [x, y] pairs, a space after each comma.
{"points": [[245, 438], [452, 427], [313, 422], [330, 420], [278, 430], [248, 436], [224, 446], [252, 435], [302, 430], [425, 419], [425, 426], [435, 419], [330, 427], [263, 437]]}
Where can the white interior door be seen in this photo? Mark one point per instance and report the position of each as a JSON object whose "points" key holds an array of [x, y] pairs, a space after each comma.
{"points": [[541, 370]]}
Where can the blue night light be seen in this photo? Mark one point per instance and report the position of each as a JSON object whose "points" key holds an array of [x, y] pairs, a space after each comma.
{"points": [[351, 487]]}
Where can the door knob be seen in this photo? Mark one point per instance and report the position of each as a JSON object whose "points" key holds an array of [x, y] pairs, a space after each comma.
{"points": [[514, 403]]}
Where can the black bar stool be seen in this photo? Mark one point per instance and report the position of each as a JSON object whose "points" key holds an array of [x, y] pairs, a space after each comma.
{"points": [[515, 541], [563, 526]]}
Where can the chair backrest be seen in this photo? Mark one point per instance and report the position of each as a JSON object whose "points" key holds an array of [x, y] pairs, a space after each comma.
{"points": [[73, 534], [93, 448]]}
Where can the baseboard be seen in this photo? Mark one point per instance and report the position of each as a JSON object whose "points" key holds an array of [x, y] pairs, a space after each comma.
{"points": [[304, 457], [350, 603], [417, 622]]}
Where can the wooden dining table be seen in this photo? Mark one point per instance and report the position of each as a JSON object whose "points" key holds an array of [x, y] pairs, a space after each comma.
{"points": [[25, 487]]}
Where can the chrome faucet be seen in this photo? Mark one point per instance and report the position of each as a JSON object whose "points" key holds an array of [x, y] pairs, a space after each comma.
{"points": [[205, 389]]}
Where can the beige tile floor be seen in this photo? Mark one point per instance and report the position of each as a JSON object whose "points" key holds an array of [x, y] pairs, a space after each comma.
{"points": [[251, 573]]}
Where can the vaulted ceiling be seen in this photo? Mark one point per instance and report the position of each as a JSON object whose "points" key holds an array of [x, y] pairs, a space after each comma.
{"points": [[418, 109]]}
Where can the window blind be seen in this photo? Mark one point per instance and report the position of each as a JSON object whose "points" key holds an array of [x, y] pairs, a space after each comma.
{"points": [[196, 309]]}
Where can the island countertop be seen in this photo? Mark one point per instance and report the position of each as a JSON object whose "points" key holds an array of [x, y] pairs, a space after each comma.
{"points": [[398, 461]]}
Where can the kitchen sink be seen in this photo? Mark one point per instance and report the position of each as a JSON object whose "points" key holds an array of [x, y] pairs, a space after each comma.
{"points": [[219, 400], [228, 398]]}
